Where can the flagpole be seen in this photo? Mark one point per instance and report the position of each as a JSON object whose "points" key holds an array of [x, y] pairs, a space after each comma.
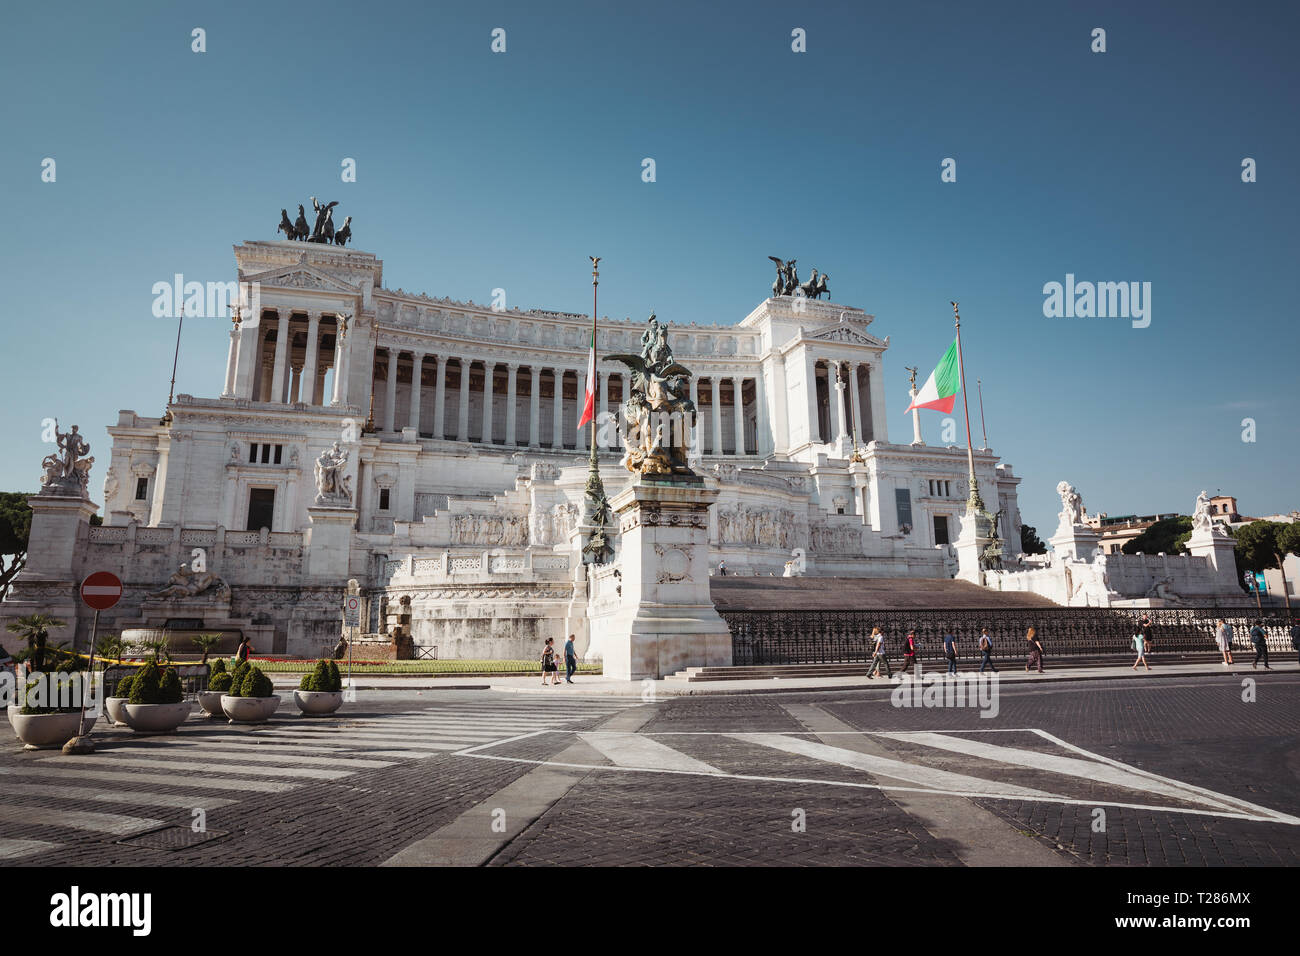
{"points": [[597, 549], [974, 504], [979, 387]]}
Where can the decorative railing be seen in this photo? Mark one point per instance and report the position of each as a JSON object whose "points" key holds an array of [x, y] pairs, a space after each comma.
{"points": [[808, 637], [110, 535]]}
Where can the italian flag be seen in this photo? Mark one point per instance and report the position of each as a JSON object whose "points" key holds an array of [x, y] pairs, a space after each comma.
{"points": [[941, 388], [589, 403]]}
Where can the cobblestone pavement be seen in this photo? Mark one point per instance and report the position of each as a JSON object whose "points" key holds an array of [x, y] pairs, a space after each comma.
{"points": [[347, 790], [1185, 772]]}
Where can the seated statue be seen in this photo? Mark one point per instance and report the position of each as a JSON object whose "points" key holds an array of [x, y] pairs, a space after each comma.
{"points": [[187, 583]]}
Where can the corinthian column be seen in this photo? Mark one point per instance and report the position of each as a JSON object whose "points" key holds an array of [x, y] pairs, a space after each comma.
{"points": [[278, 382], [512, 417], [738, 409], [488, 368], [390, 392], [232, 361], [309, 360]]}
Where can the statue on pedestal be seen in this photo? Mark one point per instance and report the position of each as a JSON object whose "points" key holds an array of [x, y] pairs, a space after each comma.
{"points": [[1202, 520], [1071, 505], [67, 472], [659, 391], [333, 487]]}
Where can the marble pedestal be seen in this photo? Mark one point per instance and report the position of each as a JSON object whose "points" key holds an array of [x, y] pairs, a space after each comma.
{"points": [[60, 530], [666, 620], [329, 542], [969, 546], [1218, 550], [1075, 542]]}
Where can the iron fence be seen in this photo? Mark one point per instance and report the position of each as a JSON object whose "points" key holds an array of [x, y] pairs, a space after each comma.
{"points": [[194, 678], [828, 637]]}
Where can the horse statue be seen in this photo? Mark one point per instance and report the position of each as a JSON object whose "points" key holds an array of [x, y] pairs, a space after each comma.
{"points": [[285, 226], [344, 234], [300, 230]]}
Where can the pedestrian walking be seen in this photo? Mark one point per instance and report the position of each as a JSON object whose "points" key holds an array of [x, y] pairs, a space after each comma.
{"points": [[548, 663], [570, 660], [1140, 644], [911, 647], [722, 568], [1223, 637], [1295, 636], [950, 652], [1035, 650], [1259, 638], [878, 655], [986, 651], [244, 649], [1145, 628]]}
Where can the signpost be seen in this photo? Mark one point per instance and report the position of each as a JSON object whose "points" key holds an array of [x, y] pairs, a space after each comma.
{"points": [[100, 591], [352, 621]]}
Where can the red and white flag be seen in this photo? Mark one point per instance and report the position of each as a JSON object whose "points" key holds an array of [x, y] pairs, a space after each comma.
{"points": [[589, 403]]}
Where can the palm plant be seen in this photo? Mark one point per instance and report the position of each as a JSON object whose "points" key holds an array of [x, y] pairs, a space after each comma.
{"points": [[35, 630], [207, 643]]}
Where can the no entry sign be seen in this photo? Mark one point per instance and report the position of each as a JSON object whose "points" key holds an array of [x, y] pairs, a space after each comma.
{"points": [[101, 590], [352, 611]]}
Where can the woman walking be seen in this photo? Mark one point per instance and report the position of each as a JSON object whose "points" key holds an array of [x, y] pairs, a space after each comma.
{"points": [[1140, 643], [878, 655], [1035, 650], [548, 663], [1223, 638]]}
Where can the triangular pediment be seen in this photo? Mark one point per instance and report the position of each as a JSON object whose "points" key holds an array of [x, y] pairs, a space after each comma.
{"points": [[301, 276], [843, 332]]}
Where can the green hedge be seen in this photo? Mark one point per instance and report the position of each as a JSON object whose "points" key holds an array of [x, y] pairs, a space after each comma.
{"points": [[489, 668]]}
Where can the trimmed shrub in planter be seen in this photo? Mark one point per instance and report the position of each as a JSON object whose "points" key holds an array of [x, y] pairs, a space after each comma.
{"points": [[251, 697], [321, 689], [156, 704], [42, 723], [218, 687], [121, 694]]}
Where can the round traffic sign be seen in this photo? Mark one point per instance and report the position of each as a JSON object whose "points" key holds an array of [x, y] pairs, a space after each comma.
{"points": [[353, 603], [101, 590]]}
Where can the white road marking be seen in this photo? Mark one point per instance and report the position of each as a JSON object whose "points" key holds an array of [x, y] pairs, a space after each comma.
{"points": [[163, 763], [186, 801], [204, 782], [113, 823], [886, 767], [637, 750], [12, 849], [1119, 776]]}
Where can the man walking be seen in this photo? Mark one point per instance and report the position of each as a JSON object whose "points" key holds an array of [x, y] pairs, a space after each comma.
{"points": [[878, 656], [1260, 639], [570, 660], [986, 651], [950, 652]]}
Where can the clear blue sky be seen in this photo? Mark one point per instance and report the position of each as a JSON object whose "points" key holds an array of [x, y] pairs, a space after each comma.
{"points": [[478, 170]]}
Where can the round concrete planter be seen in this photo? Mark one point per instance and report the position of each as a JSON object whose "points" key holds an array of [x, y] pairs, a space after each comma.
{"points": [[249, 710], [113, 707], [156, 718], [318, 702], [10, 711], [45, 731], [210, 701]]}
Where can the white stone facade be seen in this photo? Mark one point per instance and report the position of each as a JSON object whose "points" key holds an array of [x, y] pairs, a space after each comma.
{"points": [[467, 471]]}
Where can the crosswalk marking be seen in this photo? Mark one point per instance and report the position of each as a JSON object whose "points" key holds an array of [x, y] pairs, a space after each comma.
{"points": [[116, 824], [114, 760], [405, 741], [885, 766], [636, 750], [204, 782], [12, 849], [1054, 763], [186, 801], [299, 759]]}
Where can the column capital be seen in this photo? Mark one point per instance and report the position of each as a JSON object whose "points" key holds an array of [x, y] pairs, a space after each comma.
{"points": [[313, 315]]}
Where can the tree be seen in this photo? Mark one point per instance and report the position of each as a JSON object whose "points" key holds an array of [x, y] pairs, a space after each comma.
{"points": [[1030, 542], [1265, 544], [1168, 535], [35, 630], [15, 526]]}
